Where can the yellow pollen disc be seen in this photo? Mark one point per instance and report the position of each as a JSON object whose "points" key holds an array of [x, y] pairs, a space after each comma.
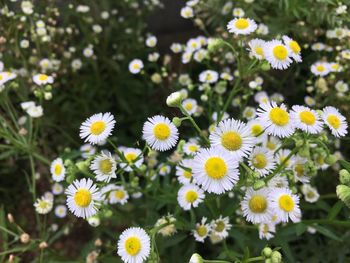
{"points": [[320, 160], [220, 226], [258, 204], [130, 157], [43, 204], [202, 231], [119, 194], [279, 116], [208, 77], [189, 106], [294, 46], [1, 77], [106, 166], [282, 158], [136, 66], [193, 148], [241, 23], [82, 197], [335, 66], [259, 51], [286, 203], [270, 145], [215, 168], [266, 228], [97, 127], [58, 169], [260, 161], [310, 194], [334, 121], [299, 169], [191, 196], [161, 131], [133, 246], [232, 141], [307, 117], [43, 77], [320, 68], [187, 174], [257, 129], [280, 52]]}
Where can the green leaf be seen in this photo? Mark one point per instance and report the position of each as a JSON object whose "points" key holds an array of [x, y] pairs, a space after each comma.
{"points": [[327, 232], [345, 164], [300, 229], [335, 210]]}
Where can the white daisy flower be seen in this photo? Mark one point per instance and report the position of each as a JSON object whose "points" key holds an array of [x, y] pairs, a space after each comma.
{"points": [[151, 41], [215, 170], [57, 189], [57, 170], [261, 97], [311, 194], [202, 230], [190, 195], [134, 245], [164, 169], [83, 197], [306, 119], [281, 157], [42, 79], [176, 48], [241, 26], [234, 137], [256, 48], [278, 181], [320, 68], [87, 150], [160, 133], [276, 119], [272, 143], [186, 57], [278, 54], [309, 101], [335, 67], [224, 116], [298, 168], [220, 227], [133, 156], [256, 206], [104, 167], [335, 121], [193, 44], [187, 12], [267, 230], [226, 76], [285, 204], [191, 147], [256, 128], [238, 12], [6, 76], [118, 195], [135, 66], [61, 211], [294, 47], [262, 161], [208, 76], [184, 176], [190, 105], [97, 128], [43, 205]]}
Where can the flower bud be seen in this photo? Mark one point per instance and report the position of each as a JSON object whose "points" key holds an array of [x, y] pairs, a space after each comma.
{"points": [[196, 258], [43, 245], [276, 257], [25, 238], [330, 159], [266, 252], [83, 166], [265, 66], [343, 193], [344, 177], [215, 44], [174, 99], [177, 121], [10, 218], [258, 185]]}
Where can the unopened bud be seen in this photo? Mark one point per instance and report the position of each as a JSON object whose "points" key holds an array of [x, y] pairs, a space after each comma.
{"points": [[25, 238], [344, 177], [177, 121], [43, 245]]}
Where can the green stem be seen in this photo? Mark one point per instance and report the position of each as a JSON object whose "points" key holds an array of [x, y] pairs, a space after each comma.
{"points": [[229, 99], [255, 259]]}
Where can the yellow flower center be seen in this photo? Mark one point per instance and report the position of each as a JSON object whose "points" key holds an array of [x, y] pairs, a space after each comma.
{"points": [[82, 197], [258, 204], [202, 231], [215, 168], [58, 169], [320, 68], [335, 66], [119, 194], [260, 161], [310, 194], [282, 158], [280, 52], [133, 246], [161, 131], [106, 166], [259, 51], [320, 160], [220, 226], [136, 66], [334, 121], [193, 148], [191, 196], [294, 46], [299, 169], [232, 141], [130, 157], [43, 204], [270, 145], [256, 129], [279, 116], [286, 203], [189, 106], [241, 23], [307, 117], [187, 174], [1, 77], [43, 77], [97, 127]]}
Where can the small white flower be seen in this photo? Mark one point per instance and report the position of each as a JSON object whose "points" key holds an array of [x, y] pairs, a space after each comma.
{"points": [[57, 170], [241, 26], [190, 195], [135, 66]]}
